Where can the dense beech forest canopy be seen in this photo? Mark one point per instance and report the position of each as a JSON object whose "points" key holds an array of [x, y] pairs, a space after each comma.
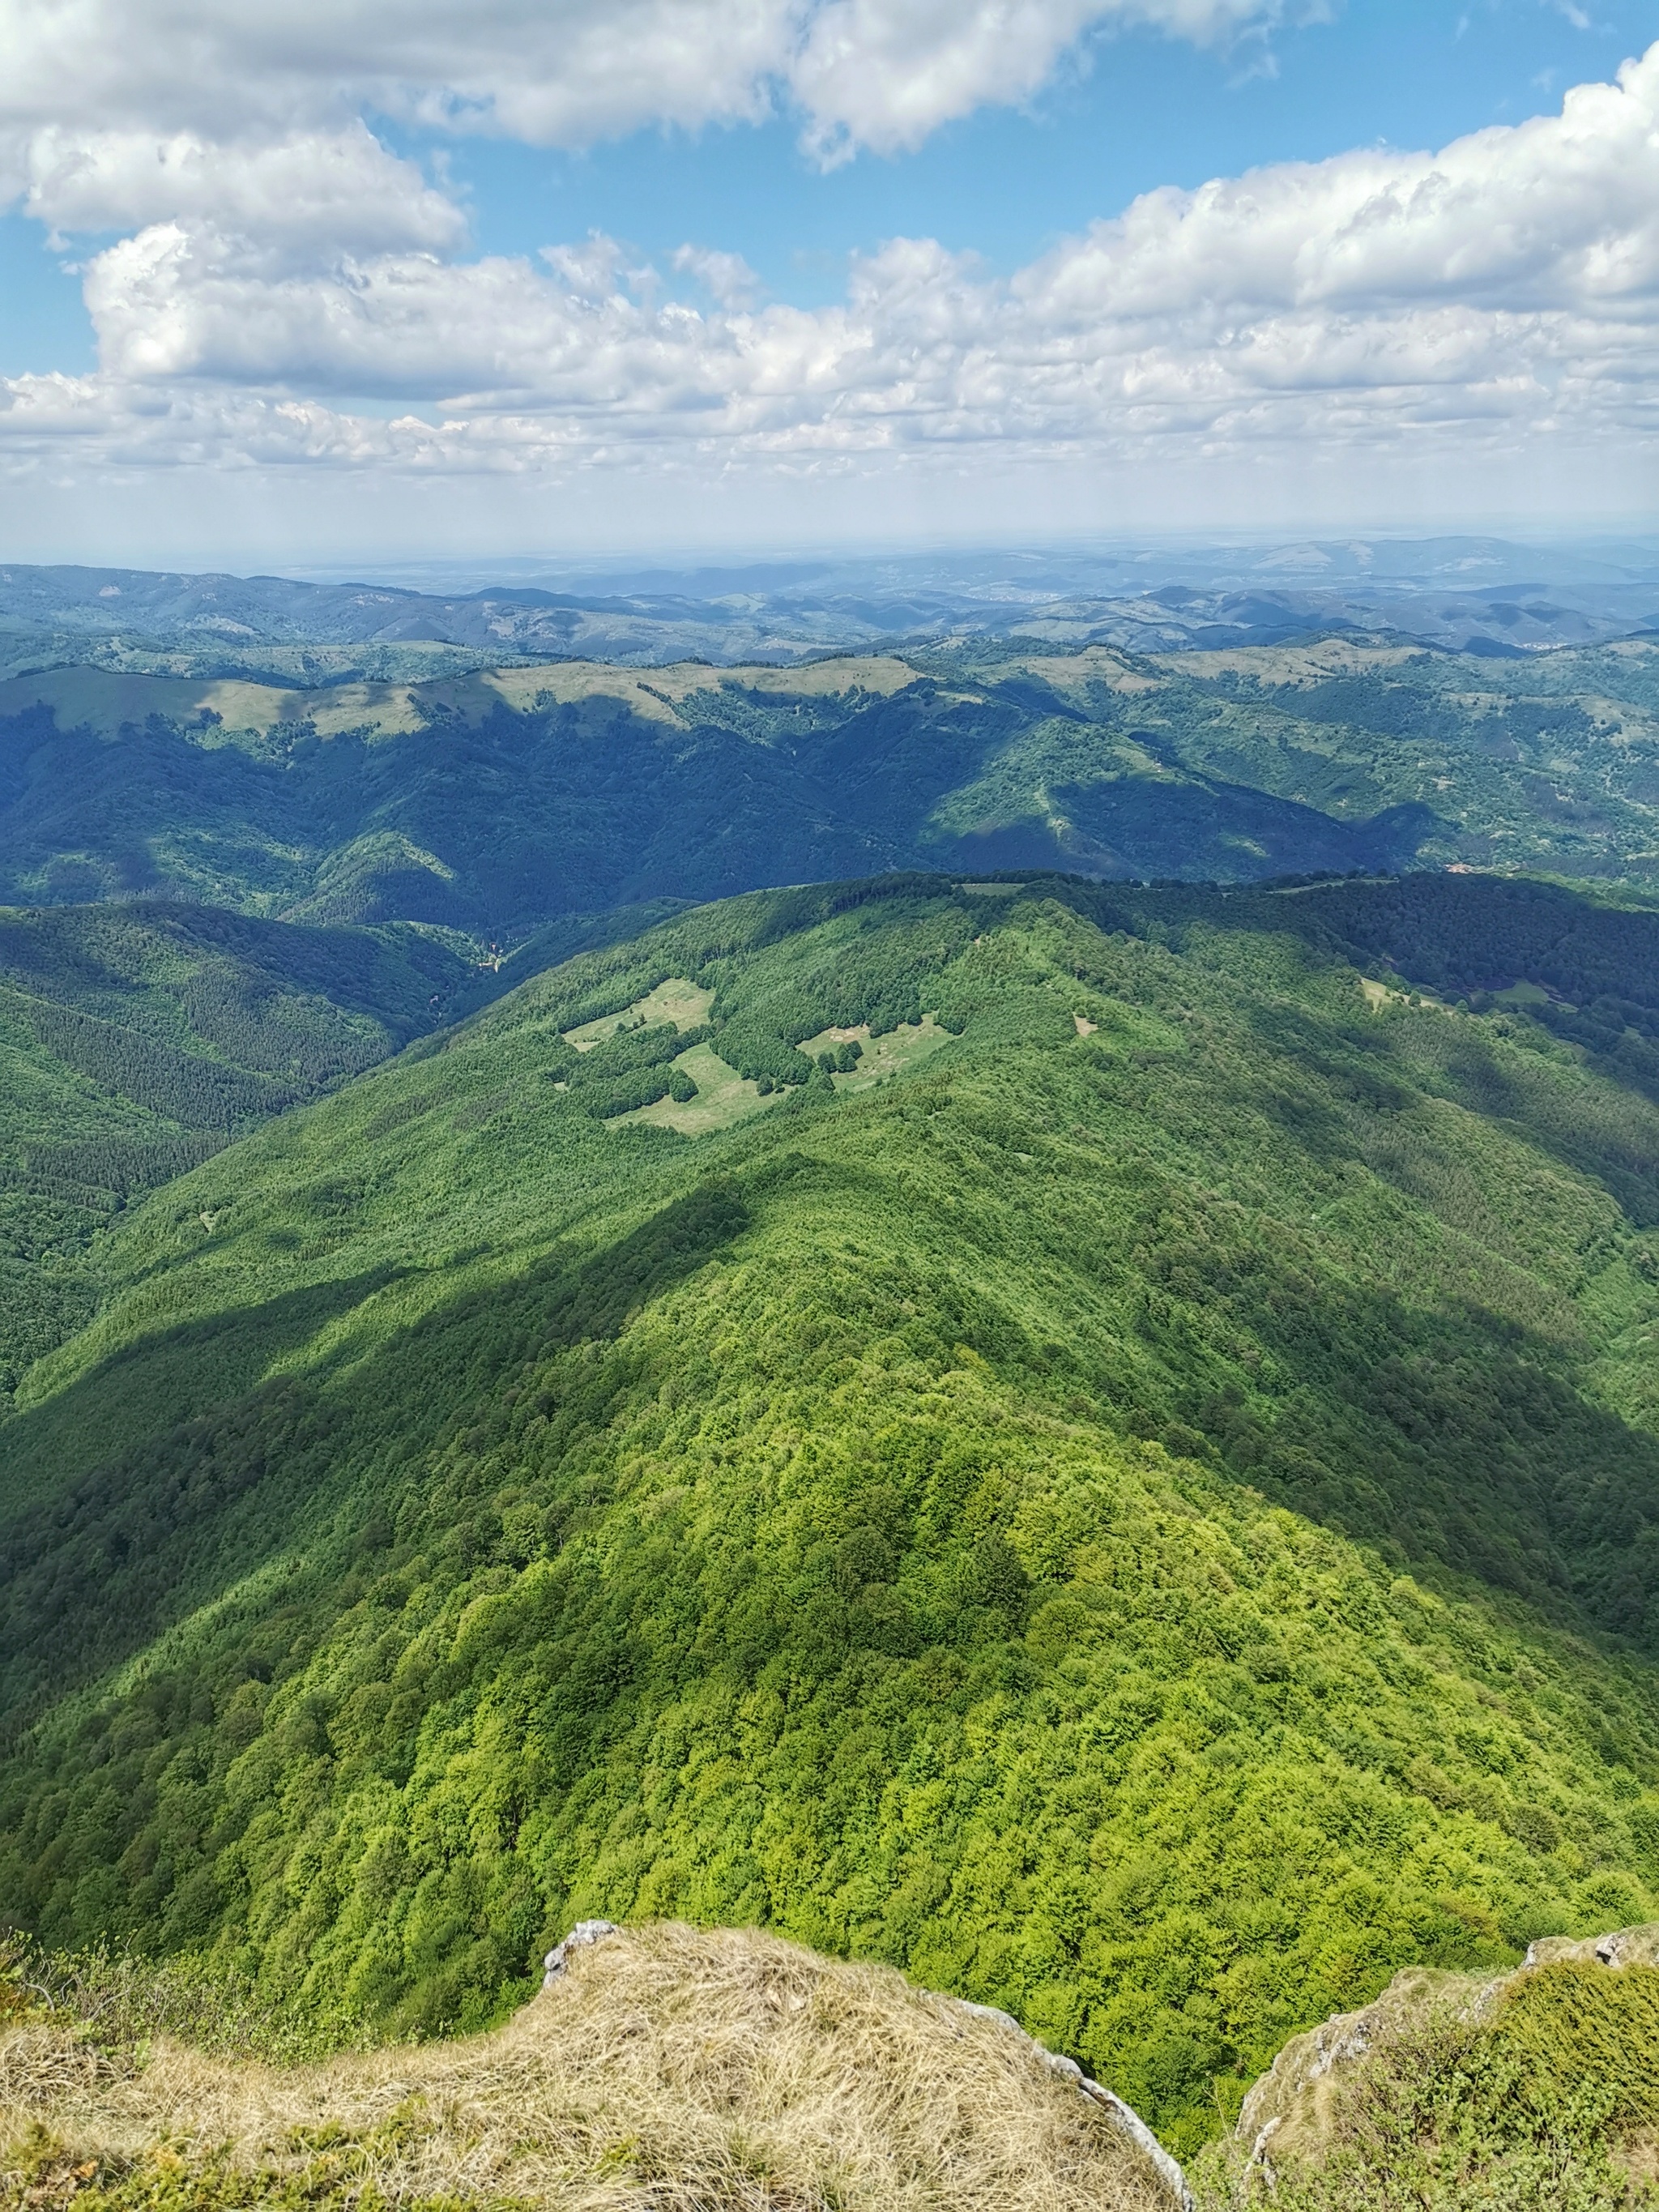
{"points": [[137, 1039], [1098, 1442]]}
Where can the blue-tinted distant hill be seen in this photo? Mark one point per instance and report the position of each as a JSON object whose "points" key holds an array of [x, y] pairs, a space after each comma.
{"points": [[1467, 593], [494, 801]]}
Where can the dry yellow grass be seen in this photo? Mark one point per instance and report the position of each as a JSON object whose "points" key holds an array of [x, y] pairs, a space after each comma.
{"points": [[668, 2069]]}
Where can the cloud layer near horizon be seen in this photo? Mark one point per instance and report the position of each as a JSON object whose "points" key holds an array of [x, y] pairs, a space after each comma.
{"points": [[290, 291]]}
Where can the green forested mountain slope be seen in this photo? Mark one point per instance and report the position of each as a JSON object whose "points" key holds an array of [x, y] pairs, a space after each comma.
{"points": [[1146, 1515], [494, 801], [136, 1040]]}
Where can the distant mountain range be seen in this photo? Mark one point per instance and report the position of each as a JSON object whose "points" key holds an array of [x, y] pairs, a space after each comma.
{"points": [[1484, 596]]}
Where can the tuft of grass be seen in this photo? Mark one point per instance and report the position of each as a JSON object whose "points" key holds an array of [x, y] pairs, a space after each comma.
{"points": [[43, 2174], [669, 2068]]}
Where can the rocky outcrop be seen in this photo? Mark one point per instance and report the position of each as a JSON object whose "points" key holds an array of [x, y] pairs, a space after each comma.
{"points": [[581, 1935], [1626, 1947], [1285, 2112], [1123, 2117]]}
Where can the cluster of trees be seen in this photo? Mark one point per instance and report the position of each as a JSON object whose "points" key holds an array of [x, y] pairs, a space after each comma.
{"points": [[1463, 934], [632, 1068], [189, 1088]]}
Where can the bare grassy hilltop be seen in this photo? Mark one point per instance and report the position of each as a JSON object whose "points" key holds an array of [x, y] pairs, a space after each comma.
{"points": [[492, 800]]}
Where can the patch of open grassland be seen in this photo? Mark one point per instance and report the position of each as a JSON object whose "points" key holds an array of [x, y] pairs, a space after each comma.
{"points": [[680, 2071], [105, 699], [677, 1001], [1378, 995], [882, 1055], [723, 1097]]}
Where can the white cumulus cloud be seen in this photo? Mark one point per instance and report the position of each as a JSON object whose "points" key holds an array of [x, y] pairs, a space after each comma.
{"points": [[882, 73], [310, 193], [1561, 210], [887, 73], [1512, 246], [1499, 296]]}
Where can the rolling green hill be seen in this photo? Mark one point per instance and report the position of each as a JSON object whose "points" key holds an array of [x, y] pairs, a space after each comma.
{"points": [[494, 801], [1099, 1445], [136, 1040]]}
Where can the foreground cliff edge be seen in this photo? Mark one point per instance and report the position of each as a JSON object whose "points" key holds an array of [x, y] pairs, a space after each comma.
{"points": [[681, 2070], [693, 2071], [1532, 2091]]}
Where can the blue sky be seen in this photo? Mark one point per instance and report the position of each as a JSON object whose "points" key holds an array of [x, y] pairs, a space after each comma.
{"points": [[1150, 111], [300, 266]]}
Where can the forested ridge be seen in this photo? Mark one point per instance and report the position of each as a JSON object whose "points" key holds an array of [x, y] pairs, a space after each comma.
{"points": [[493, 802], [1146, 1516]]}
